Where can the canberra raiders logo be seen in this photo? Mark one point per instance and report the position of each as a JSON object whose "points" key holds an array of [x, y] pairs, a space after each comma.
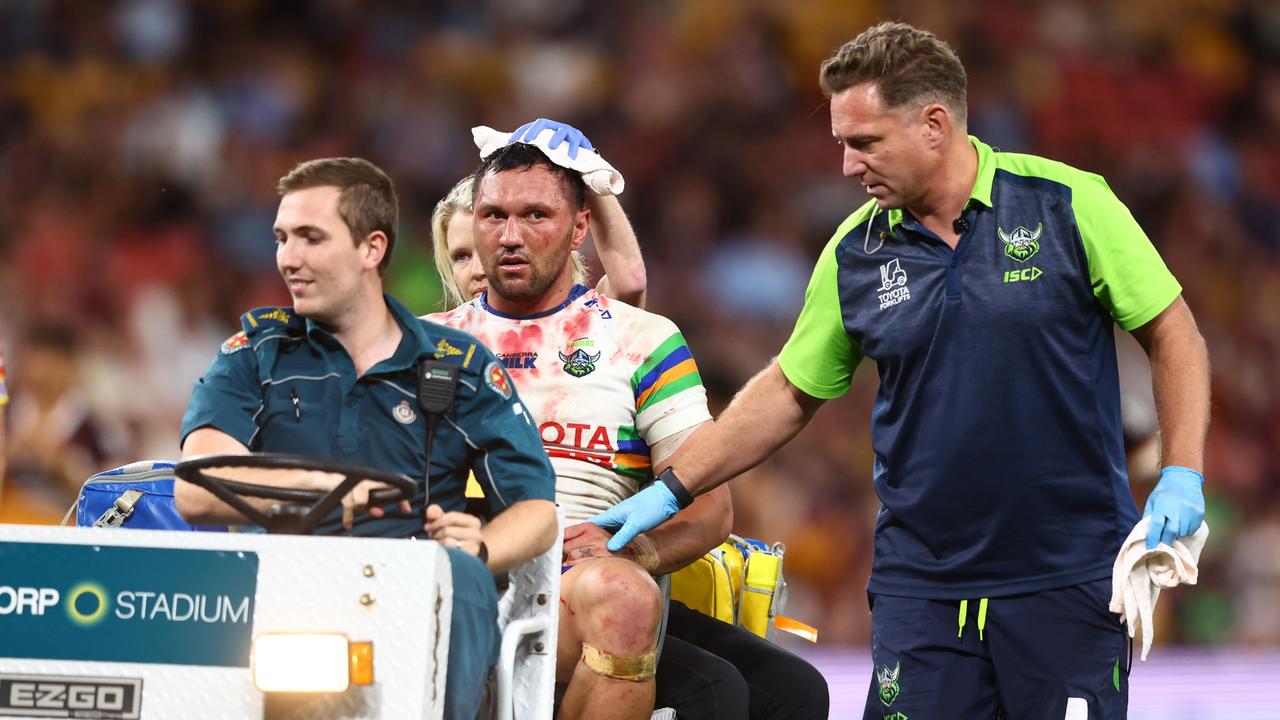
{"points": [[888, 683], [1022, 243], [579, 363]]}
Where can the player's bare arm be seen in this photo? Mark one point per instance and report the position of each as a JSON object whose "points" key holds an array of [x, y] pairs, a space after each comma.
{"points": [[763, 417], [619, 251], [687, 536]]}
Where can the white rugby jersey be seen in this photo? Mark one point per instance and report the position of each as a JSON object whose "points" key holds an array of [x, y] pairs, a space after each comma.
{"points": [[604, 380]]}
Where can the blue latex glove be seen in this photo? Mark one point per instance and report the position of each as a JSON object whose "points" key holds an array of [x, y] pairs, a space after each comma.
{"points": [[529, 132], [1176, 506], [643, 511]]}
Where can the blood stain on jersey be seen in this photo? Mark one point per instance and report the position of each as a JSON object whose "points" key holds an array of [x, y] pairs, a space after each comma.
{"points": [[235, 343], [496, 378], [576, 325]]}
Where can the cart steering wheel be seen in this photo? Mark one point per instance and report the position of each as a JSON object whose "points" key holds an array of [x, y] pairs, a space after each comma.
{"points": [[301, 510]]}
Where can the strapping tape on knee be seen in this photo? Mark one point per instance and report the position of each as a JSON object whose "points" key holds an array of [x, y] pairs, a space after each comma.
{"points": [[634, 668]]}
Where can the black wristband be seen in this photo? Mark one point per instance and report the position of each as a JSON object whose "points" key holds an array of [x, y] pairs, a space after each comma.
{"points": [[668, 477], [483, 553]]}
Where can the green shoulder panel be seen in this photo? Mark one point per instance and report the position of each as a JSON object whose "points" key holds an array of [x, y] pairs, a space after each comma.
{"points": [[820, 357], [1127, 275]]}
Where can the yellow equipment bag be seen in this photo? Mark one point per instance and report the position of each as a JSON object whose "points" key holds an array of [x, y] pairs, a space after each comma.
{"points": [[711, 583], [740, 583]]}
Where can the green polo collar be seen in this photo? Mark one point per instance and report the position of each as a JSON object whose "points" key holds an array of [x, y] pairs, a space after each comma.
{"points": [[981, 184]]}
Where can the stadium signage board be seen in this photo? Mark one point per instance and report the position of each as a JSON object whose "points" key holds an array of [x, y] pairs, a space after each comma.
{"points": [[127, 604]]}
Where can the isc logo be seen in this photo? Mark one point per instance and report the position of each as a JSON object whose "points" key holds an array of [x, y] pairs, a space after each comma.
{"points": [[1023, 275], [81, 697]]}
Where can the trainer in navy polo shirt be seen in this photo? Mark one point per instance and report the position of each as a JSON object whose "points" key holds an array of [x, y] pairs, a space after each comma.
{"points": [[996, 426], [286, 385]]}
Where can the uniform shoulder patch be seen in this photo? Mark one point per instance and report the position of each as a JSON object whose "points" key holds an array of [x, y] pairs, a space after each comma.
{"points": [[268, 318], [456, 352], [496, 378], [235, 343], [444, 349]]}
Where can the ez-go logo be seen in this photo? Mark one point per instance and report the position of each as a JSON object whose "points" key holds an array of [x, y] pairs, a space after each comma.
{"points": [[68, 697]]}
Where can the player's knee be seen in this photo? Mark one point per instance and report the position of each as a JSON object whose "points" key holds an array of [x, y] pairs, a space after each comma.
{"points": [[621, 600]]}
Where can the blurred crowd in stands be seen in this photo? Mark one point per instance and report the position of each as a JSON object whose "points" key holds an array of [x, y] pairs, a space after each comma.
{"points": [[140, 142]]}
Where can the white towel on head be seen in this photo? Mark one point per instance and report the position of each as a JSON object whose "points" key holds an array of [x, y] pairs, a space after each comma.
{"points": [[596, 172], [1140, 574]]}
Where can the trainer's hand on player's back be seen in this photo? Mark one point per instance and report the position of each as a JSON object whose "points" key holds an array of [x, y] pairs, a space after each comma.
{"points": [[639, 513]]}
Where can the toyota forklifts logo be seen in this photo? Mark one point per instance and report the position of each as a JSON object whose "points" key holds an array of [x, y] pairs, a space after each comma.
{"points": [[893, 284]]}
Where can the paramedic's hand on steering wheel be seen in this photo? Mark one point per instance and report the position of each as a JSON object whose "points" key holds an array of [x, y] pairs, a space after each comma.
{"points": [[355, 501], [454, 529], [639, 513]]}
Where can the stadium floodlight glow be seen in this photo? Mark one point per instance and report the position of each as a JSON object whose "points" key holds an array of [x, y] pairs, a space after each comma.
{"points": [[301, 662]]}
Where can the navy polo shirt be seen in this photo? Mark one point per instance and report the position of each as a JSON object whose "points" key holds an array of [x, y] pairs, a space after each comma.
{"points": [[999, 460], [286, 385]]}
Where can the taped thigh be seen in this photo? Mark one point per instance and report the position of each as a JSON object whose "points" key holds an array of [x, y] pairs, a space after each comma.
{"points": [[632, 668]]}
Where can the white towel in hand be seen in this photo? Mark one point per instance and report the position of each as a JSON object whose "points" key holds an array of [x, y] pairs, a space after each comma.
{"points": [[1139, 574], [598, 174]]}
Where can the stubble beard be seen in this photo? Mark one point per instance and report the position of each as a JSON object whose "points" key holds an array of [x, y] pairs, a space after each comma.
{"points": [[540, 279]]}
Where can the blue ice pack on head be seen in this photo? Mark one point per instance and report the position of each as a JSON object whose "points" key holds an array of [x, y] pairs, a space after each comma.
{"points": [[137, 496]]}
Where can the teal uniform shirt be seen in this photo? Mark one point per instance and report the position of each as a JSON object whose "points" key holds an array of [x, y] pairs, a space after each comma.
{"points": [[999, 460], [286, 385]]}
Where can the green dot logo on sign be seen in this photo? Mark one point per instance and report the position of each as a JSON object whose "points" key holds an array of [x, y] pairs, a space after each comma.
{"points": [[87, 604]]}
